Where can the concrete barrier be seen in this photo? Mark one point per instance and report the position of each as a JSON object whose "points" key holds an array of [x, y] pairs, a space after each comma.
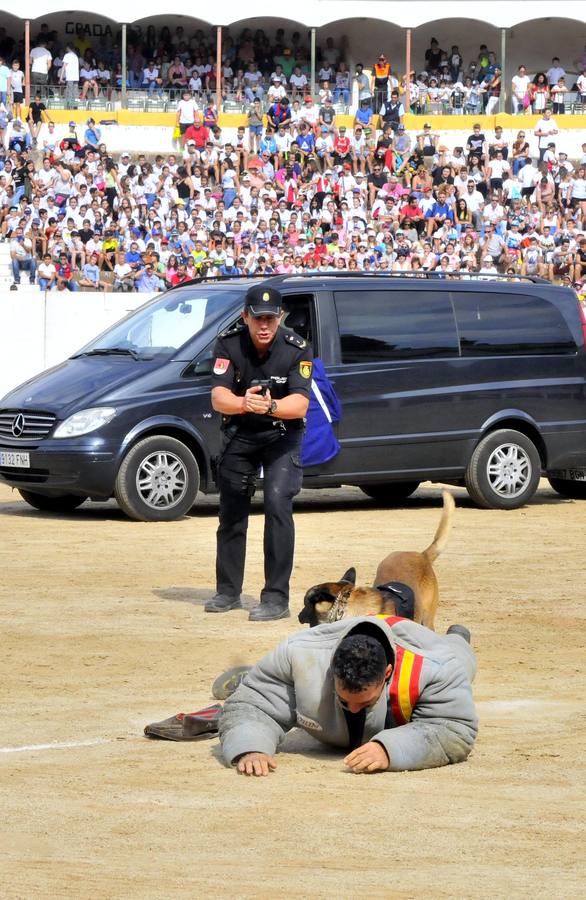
{"points": [[39, 330]]}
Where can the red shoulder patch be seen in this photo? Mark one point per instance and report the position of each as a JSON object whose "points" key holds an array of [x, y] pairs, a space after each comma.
{"points": [[221, 366]]}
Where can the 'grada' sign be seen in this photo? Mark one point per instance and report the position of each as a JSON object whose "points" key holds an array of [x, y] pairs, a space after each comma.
{"points": [[82, 28]]}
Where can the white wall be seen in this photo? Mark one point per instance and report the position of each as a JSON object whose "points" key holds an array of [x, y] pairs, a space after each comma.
{"points": [[38, 330]]}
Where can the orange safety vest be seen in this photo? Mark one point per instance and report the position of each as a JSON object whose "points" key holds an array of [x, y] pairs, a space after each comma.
{"points": [[382, 72], [404, 689]]}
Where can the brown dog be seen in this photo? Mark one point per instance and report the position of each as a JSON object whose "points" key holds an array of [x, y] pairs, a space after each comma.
{"points": [[401, 576]]}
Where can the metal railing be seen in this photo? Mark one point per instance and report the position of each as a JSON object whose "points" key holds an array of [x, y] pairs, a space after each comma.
{"points": [[165, 99]]}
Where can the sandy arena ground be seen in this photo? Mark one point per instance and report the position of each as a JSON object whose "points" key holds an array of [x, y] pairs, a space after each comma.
{"points": [[103, 630]]}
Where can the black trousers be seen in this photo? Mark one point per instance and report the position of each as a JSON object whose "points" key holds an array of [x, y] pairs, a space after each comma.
{"points": [[278, 454]]}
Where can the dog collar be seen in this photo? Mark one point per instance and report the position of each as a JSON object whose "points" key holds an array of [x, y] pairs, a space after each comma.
{"points": [[337, 609]]}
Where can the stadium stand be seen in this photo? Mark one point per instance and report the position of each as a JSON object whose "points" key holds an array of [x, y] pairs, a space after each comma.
{"points": [[364, 169]]}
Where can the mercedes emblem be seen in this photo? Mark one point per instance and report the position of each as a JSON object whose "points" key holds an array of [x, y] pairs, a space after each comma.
{"points": [[18, 426]]}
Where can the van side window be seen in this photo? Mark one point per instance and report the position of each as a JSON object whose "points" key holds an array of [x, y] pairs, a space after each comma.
{"points": [[491, 322], [299, 316], [383, 325]]}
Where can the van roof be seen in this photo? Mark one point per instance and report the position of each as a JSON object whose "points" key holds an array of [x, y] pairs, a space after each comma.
{"points": [[247, 280]]}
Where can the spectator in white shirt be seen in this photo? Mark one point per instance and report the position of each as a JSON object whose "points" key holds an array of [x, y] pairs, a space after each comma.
{"points": [[89, 78], [252, 79], [544, 129], [186, 110], [47, 274], [581, 85], [151, 79], [555, 72], [298, 81], [41, 61], [528, 176], [69, 75], [520, 92]]}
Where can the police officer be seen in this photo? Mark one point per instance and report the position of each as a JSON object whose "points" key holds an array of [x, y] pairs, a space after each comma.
{"points": [[261, 384]]}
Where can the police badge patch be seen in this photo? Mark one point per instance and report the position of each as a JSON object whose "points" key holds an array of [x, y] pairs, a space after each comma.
{"points": [[221, 366], [305, 368]]}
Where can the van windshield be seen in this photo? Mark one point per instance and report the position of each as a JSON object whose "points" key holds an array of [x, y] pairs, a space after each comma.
{"points": [[165, 324]]}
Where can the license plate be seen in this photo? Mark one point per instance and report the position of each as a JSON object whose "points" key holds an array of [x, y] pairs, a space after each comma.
{"points": [[569, 474], [15, 460]]}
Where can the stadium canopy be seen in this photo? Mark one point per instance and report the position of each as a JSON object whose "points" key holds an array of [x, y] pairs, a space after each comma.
{"points": [[317, 13]]}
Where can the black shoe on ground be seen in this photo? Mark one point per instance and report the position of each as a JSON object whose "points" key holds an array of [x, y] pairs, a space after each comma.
{"points": [[269, 611], [14, 287], [461, 630], [186, 726], [220, 603]]}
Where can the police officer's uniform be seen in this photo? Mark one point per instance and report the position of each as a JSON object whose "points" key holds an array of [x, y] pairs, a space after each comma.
{"points": [[252, 441]]}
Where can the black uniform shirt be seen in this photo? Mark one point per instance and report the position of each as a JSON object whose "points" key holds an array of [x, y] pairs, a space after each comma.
{"points": [[288, 365]]}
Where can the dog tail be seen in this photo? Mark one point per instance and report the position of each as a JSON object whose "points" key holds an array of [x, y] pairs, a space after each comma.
{"points": [[443, 530]]}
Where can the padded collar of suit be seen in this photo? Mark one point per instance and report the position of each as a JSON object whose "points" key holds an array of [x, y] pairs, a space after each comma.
{"points": [[376, 628]]}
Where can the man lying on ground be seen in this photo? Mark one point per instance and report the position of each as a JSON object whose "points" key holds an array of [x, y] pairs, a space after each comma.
{"points": [[394, 694]]}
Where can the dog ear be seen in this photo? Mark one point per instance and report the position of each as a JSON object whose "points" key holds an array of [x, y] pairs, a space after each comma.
{"points": [[349, 577]]}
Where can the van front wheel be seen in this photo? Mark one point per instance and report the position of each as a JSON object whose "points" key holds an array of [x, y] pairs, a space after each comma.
{"points": [[504, 470], [158, 480]]}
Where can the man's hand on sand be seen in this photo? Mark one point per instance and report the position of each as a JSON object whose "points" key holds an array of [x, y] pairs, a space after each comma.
{"points": [[256, 764], [371, 757]]}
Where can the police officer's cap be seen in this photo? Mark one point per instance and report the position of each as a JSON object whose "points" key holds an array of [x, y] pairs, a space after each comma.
{"points": [[263, 301]]}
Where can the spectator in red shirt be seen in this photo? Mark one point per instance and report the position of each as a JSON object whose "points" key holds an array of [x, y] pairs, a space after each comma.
{"points": [[342, 147], [197, 133], [411, 215]]}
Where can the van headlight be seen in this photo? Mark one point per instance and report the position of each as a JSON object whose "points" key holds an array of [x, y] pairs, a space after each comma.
{"points": [[85, 421]]}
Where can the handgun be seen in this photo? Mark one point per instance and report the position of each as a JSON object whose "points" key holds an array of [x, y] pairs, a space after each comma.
{"points": [[264, 383]]}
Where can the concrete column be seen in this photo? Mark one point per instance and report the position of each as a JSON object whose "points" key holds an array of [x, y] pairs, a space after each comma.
{"points": [[504, 80], [406, 103], [312, 72], [219, 69], [27, 62], [123, 92]]}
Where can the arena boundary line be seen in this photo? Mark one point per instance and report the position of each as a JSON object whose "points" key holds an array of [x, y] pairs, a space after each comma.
{"points": [[64, 745]]}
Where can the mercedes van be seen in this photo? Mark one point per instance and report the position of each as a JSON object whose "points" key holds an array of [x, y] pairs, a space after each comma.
{"points": [[479, 383]]}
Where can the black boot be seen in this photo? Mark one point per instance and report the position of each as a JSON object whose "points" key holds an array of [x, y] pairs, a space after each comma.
{"points": [[226, 683], [461, 630], [221, 603], [269, 610]]}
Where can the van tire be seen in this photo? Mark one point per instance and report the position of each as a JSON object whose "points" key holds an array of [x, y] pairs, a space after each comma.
{"points": [[158, 480], [390, 493], [575, 490], [63, 504], [504, 454]]}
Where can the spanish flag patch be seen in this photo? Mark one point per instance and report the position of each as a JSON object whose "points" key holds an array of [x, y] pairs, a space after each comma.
{"points": [[404, 688], [305, 369]]}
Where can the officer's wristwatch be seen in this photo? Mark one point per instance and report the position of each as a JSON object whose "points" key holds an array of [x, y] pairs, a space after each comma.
{"points": [[272, 408]]}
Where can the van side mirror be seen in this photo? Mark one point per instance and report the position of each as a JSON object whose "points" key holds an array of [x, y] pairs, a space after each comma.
{"points": [[200, 366], [203, 366]]}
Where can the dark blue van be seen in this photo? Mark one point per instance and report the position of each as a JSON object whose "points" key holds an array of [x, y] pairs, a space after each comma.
{"points": [[475, 382]]}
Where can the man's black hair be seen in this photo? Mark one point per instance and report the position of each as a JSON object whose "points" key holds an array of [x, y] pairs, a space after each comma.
{"points": [[359, 661]]}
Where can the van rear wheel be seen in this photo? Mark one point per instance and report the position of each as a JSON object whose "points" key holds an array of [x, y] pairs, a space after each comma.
{"points": [[46, 503], [390, 493], [158, 480], [504, 470], [575, 490]]}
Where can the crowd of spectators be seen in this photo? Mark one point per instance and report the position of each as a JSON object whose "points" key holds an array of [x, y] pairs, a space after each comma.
{"points": [[291, 194], [162, 62]]}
